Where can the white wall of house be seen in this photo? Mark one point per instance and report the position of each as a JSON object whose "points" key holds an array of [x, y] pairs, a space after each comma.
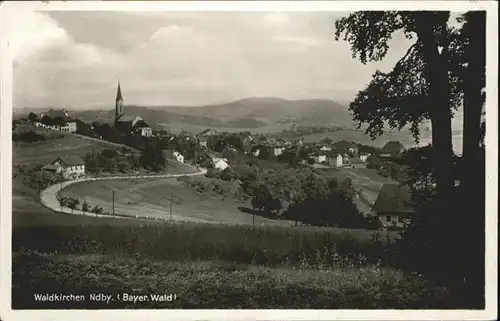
{"points": [[73, 172], [336, 161], [220, 163], [69, 127], [146, 132], [178, 157], [319, 158], [364, 157], [278, 151]]}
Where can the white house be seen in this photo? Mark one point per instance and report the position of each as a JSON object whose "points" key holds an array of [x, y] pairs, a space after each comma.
{"points": [[146, 131], [335, 160], [319, 158], [278, 151], [393, 206], [220, 163], [364, 157], [69, 127], [178, 157], [70, 167]]}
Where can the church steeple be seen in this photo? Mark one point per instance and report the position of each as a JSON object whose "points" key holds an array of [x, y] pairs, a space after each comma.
{"points": [[119, 93], [118, 104]]}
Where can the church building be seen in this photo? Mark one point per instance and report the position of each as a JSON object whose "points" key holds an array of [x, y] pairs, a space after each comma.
{"points": [[129, 124]]}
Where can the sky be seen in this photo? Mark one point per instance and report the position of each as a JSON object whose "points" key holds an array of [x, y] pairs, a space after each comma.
{"points": [[74, 59]]}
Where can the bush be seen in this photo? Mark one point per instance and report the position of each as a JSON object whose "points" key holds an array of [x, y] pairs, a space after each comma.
{"points": [[31, 137]]}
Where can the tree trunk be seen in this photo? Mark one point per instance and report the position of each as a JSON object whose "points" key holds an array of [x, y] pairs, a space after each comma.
{"points": [[473, 174], [475, 30], [439, 94]]}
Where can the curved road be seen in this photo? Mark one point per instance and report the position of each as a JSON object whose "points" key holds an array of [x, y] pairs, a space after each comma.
{"points": [[48, 197]]}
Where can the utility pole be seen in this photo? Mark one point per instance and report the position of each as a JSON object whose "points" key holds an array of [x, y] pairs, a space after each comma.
{"points": [[171, 195], [113, 191]]}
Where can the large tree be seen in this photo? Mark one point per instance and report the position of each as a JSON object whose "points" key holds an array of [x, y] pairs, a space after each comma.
{"points": [[422, 85]]}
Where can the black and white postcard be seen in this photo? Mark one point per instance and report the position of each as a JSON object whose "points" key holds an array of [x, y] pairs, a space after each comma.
{"points": [[249, 160]]}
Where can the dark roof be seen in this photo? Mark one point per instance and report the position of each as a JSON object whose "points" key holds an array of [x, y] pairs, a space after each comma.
{"points": [[125, 119], [71, 160], [141, 124], [392, 147], [393, 198], [119, 93]]}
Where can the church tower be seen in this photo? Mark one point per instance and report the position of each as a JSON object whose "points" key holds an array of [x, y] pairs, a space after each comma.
{"points": [[118, 104]]}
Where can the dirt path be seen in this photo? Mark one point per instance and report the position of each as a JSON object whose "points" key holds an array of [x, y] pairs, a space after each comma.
{"points": [[48, 197]]}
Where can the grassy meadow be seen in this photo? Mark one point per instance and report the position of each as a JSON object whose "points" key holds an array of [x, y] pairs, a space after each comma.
{"points": [[57, 144], [216, 266]]}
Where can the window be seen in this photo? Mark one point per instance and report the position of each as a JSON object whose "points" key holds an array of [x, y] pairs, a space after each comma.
{"points": [[388, 218]]}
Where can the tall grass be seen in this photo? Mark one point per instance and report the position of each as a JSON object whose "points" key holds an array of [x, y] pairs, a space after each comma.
{"points": [[239, 244]]}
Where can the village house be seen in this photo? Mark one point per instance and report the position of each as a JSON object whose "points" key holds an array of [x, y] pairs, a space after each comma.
{"points": [[278, 150], [392, 149], [70, 167], [68, 124], [364, 157], [128, 124], [220, 163], [335, 159], [325, 148], [319, 157], [172, 154], [393, 206]]}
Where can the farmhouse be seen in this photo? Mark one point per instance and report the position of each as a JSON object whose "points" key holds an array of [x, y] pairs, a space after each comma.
{"points": [[393, 206], [129, 124], [57, 120], [70, 167], [220, 163], [392, 149]]}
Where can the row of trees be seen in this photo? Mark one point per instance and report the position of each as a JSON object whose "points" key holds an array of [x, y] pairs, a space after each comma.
{"points": [[73, 203], [443, 69]]}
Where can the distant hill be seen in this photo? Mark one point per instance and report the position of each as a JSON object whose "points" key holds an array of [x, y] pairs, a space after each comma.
{"points": [[257, 113], [274, 110]]}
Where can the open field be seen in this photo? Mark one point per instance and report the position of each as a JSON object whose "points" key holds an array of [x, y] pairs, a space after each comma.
{"points": [[57, 144], [217, 285], [153, 198]]}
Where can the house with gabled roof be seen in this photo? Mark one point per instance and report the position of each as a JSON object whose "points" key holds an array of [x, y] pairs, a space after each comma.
{"points": [[70, 167], [392, 149], [393, 205]]}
